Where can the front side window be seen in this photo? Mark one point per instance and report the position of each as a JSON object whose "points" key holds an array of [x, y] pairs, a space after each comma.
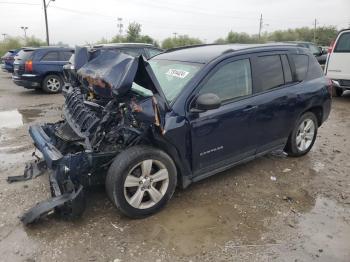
{"points": [[231, 81], [270, 73], [173, 75], [343, 44], [50, 56]]}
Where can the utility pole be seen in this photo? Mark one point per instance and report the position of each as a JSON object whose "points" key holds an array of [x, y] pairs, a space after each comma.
{"points": [[175, 34], [260, 25], [46, 23], [25, 28], [4, 35], [315, 26], [120, 25]]}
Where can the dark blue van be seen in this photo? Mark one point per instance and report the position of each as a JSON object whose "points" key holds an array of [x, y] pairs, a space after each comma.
{"points": [[177, 118], [8, 59], [41, 67]]}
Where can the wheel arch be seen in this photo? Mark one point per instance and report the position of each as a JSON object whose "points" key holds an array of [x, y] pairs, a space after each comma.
{"points": [[183, 171], [317, 111], [51, 73]]}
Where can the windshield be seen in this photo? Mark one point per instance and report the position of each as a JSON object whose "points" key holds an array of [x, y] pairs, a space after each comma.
{"points": [[314, 49], [173, 75]]}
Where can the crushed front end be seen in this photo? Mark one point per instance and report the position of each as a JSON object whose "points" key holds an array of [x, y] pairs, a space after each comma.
{"points": [[96, 126]]}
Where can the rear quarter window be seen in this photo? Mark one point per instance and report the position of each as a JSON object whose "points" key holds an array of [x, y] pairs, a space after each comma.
{"points": [[343, 44], [301, 63]]}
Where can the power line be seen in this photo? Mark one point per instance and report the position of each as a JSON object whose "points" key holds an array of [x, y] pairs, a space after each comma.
{"points": [[17, 3]]}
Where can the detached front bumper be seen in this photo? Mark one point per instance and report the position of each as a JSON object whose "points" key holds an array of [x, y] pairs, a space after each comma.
{"points": [[69, 173]]}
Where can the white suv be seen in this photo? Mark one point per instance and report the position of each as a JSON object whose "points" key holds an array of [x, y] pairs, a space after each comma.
{"points": [[338, 63]]}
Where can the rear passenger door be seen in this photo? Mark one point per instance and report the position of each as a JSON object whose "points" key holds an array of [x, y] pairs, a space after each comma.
{"points": [[274, 100]]}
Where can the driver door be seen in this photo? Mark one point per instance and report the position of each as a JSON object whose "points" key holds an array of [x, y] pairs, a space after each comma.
{"points": [[223, 136]]}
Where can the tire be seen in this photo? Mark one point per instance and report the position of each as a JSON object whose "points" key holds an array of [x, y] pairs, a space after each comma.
{"points": [[137, 198], [338, 91], [52, 84], [303, 135]]}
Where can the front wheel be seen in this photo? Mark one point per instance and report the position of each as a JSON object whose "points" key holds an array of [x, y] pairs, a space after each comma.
{"points": [[338, 91], [303, 135], [141, 180]]}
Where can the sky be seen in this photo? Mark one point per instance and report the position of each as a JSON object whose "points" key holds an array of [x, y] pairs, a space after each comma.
{"points": [[83, 21]]}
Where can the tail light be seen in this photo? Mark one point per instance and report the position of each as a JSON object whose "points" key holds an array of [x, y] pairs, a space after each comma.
{"points": [[28, 66], [331, 47]]}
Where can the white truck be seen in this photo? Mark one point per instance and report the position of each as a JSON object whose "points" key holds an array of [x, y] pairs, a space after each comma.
{"points": [[338, 63]]}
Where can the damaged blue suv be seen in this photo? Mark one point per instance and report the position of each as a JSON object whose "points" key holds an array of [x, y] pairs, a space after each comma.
{"points": [[141, 128]]}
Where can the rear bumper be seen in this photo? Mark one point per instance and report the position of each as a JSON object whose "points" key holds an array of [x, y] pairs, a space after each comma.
{"points": [[7, 68], [27, 80], [341, 83]]}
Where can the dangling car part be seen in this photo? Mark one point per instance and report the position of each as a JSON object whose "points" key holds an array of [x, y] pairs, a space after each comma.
{"points": [[79, 150]]}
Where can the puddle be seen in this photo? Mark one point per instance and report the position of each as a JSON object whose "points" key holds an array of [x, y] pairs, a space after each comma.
{"points": [[18, 117], [324, 233]]}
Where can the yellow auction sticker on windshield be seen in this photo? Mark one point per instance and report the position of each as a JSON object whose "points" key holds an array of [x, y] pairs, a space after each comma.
{"points": [[177, 73]]}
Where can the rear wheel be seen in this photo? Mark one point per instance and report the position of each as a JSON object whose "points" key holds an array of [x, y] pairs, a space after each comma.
{"points": [[141, 180], [303, 135], [52, 84]]}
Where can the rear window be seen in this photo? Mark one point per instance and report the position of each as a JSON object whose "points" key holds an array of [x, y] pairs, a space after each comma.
{"points": [[343, 44], [301, 65], [24, 54], [270, 73]]}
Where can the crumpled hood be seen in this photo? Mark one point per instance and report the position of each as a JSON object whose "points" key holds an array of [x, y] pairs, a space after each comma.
{"points": [[119, 71]]}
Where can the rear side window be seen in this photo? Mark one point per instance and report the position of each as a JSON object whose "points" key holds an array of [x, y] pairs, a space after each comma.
{"points": [[231, 81], [50, 56], [65, 55], [343, 44], [286, 69], [270, 73], [301, 65]]}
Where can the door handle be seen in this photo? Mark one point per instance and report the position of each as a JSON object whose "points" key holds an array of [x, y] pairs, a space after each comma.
{"points": [[249, 108]]}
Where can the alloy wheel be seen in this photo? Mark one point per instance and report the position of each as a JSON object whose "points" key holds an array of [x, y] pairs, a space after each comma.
{"points": [[146, 184], [53, 84], [305, 134]]}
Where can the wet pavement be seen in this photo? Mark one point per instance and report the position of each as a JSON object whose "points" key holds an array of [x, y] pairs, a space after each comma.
{"points": [[275, 208]]}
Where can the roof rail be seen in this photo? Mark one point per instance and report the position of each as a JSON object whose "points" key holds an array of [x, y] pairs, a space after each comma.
{"points": [[187, 46]]}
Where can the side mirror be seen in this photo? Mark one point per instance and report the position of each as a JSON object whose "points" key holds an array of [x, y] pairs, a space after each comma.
{"points": [[206, 102]]}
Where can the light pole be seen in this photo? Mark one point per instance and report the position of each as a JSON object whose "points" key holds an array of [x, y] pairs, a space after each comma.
{"points": [[4, 35], [24, 28], [46, 23]]}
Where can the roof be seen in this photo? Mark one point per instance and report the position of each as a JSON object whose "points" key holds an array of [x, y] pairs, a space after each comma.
{"points": [[28, 48], [123, 45], [205, 53]]}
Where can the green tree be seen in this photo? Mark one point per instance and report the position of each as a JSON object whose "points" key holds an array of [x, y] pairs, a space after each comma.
{"points": [[9, 43], [133, 32], [181, 40], [34, 42]]}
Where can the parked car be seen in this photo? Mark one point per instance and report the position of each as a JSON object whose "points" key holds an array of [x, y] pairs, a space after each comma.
{"points": [[8, 59], [41, 67], [178, 118], [338, 63], [318, 52]]}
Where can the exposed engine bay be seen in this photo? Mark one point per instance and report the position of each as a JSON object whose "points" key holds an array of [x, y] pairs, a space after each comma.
{"points": [[112, 102]]}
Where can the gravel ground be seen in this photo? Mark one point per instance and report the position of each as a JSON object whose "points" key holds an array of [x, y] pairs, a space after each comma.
{"points": [[238, 215]]}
